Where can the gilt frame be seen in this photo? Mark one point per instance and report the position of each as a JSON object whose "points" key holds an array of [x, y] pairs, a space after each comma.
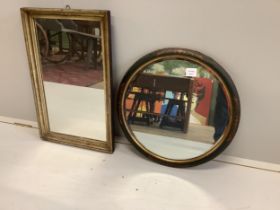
{"points": [[28, 16]]}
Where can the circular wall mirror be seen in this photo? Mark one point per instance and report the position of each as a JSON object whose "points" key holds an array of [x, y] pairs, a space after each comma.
{"points": [[178, 107]]}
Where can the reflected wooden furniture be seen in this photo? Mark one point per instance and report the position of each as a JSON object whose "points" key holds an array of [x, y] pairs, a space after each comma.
{"points": [[93, 42], [152, 88], [79, 35]]}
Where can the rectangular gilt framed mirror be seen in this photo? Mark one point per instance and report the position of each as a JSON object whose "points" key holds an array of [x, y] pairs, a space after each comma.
{"points": [[69, 58]]}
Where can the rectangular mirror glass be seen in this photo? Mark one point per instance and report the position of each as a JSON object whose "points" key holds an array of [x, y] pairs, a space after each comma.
{"points": [[69, 57]]}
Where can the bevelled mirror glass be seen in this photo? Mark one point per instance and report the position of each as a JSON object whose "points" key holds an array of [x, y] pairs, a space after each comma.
{"points": [[178, 107], [69, 57]]}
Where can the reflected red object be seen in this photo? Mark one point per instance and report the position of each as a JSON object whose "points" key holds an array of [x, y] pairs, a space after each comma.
{"points": [[203, 88]]}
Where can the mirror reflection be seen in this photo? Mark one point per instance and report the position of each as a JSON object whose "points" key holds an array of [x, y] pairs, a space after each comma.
{"points": [[72, 72], [177, 109]]}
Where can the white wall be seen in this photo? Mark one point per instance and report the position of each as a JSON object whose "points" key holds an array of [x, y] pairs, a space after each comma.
{"points": [[243, 36]]}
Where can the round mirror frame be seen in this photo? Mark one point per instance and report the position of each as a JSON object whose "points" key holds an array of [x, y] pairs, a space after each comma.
{"points": [[210, 65]]}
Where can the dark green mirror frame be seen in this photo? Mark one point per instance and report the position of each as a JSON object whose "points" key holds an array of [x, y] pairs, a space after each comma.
{"points": [[178, 107]]}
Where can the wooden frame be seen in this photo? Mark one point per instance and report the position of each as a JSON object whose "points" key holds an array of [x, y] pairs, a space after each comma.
{"points": [[211, 66], [28, 20]]}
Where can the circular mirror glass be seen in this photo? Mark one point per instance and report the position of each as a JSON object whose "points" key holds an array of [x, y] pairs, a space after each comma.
{"points": [[178, 107]]}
